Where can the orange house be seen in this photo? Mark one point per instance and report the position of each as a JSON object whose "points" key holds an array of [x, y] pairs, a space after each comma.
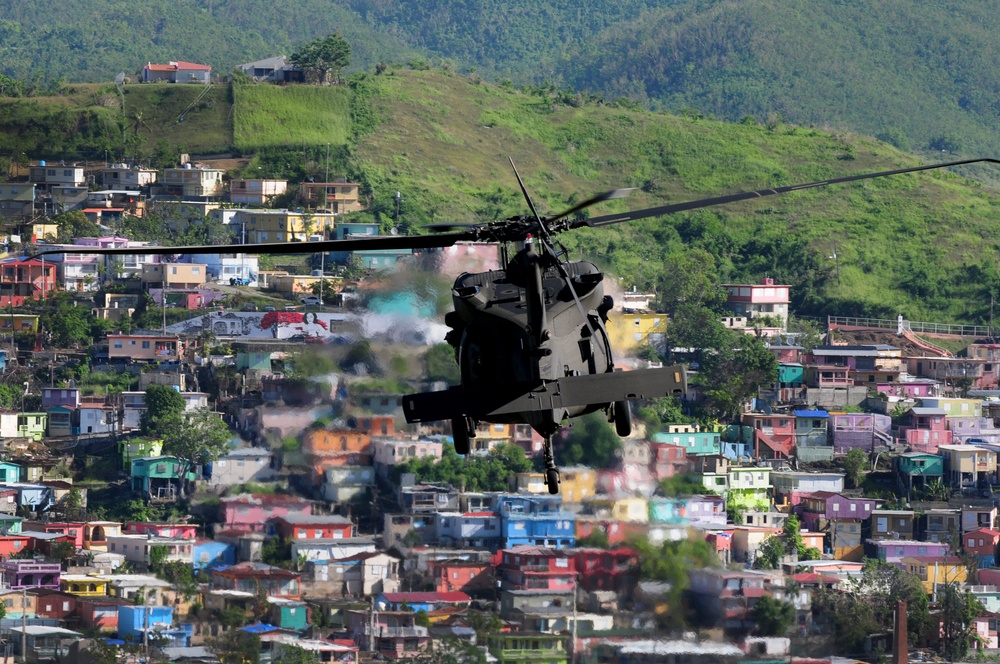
{"points": [[460, 575], [377, 425], [11, 544], [339, 447]]}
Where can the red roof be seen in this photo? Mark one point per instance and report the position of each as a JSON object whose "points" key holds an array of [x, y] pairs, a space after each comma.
{"points": [[984, 531], [174, 66], [754, 592], [426, 597]]}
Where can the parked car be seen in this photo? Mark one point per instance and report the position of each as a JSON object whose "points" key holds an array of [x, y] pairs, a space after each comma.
{"points": [[250, 306], [312, 299], [269, 308]]}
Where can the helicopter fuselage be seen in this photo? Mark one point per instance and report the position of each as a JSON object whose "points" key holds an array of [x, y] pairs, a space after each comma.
{"points": [[511, 330]]}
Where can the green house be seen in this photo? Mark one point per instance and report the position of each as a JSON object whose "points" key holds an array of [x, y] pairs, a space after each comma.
{"points": [[9, 472], [10, 524], [289, 614], [137, 448], [159, 478], [790, 374], [32, 425], [524, 647]]}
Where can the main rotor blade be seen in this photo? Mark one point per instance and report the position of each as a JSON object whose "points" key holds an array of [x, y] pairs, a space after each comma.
{"points": [[609, 219], [347, 244], [606, 196]]}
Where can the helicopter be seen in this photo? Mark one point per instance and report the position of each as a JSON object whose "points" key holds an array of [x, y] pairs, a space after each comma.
{"points": [[530, 338]]}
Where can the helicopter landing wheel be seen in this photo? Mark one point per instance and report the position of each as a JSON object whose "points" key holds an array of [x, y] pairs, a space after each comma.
{"points": [[623, 423], [552, 479], [462, 431]]}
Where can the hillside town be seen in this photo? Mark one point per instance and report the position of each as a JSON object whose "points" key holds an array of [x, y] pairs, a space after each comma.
{"points": [[870, 462]]}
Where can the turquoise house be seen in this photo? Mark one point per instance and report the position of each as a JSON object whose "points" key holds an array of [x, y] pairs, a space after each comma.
{"points": [[695, 443], [159, 477], [790, 374], [9, 472], [289, 614], [916, 469], [668, 510]]}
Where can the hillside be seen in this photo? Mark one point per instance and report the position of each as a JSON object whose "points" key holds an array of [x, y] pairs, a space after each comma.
{"points": [[923, 246], [920, 74]]}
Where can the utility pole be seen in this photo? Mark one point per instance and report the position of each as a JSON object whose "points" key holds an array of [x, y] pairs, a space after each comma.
{"points": [[24, 624], [576, 582]]}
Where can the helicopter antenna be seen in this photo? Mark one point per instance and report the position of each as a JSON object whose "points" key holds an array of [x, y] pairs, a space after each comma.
{"points": [[546, 242]]}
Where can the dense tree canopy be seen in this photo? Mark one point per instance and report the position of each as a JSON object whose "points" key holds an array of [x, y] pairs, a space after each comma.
{"points": [[323, 58], [489, 472]]}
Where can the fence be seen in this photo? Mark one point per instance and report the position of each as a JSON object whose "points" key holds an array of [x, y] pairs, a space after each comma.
{"points": [[911, 326]]}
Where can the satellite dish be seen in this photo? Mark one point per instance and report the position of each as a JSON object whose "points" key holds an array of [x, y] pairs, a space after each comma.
{"points": [[394, 231], [120, 78]]}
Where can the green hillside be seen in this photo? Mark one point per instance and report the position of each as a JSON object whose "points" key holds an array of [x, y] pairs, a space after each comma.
{"points": [[919, 73], [920, 245], [923, 246]]}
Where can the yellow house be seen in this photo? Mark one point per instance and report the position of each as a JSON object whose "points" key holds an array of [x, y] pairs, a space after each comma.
{"points": [[936, 570], [336, 197], [282, 225], [635, 510], [630, 331], [20, 323], [84, 585], [575, 484], [292, 284]]}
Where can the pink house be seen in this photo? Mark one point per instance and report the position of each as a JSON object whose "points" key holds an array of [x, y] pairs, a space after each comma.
{"points": [[173, 530], [916, 389], [987, 630], [667, 460], [773, 435], [249, 512], [893, 551], [927, 429], [536, 568]]}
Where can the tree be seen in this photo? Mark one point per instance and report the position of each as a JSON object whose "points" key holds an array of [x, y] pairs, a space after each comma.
{"points": [[866, 605], [323, 57], [670, 562], [855, 464], [770, 553], [291, 654], [441, 364], [591, 442], [196, 439], [959, 609], [70, 325], [772, 616], [595, 539], [692, 279], [236, 646], [158, 556], [164, 405], [733, 374], [74, 224]]}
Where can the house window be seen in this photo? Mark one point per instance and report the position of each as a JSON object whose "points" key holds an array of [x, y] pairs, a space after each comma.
{"points": [[145, 344]]}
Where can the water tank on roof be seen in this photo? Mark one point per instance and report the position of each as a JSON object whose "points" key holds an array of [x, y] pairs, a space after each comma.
{"points": [[187, 166], [41, 163]]}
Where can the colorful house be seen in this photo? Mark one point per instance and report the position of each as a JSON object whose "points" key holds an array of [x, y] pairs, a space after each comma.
{"points": [[84, 585], [537, 520], [968, 466], [187, 531], [535, 568], [137, 448], [916, 469], [420, 601], [860, 431], [606, 569], [829, 506], [208, 554], [774, 435], [21, 574], [983, 543], [526, 647], [935, 571], [159, 478], [292, 526], [891, 525], [249, 512], [693, 441], [249, 576], [749, 486], [893, 551], [460, 575]]}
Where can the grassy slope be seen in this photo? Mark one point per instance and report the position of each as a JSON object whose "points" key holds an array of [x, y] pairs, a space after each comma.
{"points": [[445, 139]]}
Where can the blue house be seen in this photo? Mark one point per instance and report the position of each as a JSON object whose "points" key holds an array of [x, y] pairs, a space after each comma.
{"points": [[420, 601], [695, 443], [134, 620], [537, 520], [209, 554]]}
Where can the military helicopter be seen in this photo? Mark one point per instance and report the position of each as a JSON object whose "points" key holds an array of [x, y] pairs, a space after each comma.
{"points": [[529, 338]]}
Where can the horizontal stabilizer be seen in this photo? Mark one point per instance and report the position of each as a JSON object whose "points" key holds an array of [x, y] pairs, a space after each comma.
{"points": [[569, 392]]}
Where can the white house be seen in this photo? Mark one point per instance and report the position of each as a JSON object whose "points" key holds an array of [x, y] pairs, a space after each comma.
{"points": [[471, 529], [331, 549], [136, 548], [223, 267]]}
